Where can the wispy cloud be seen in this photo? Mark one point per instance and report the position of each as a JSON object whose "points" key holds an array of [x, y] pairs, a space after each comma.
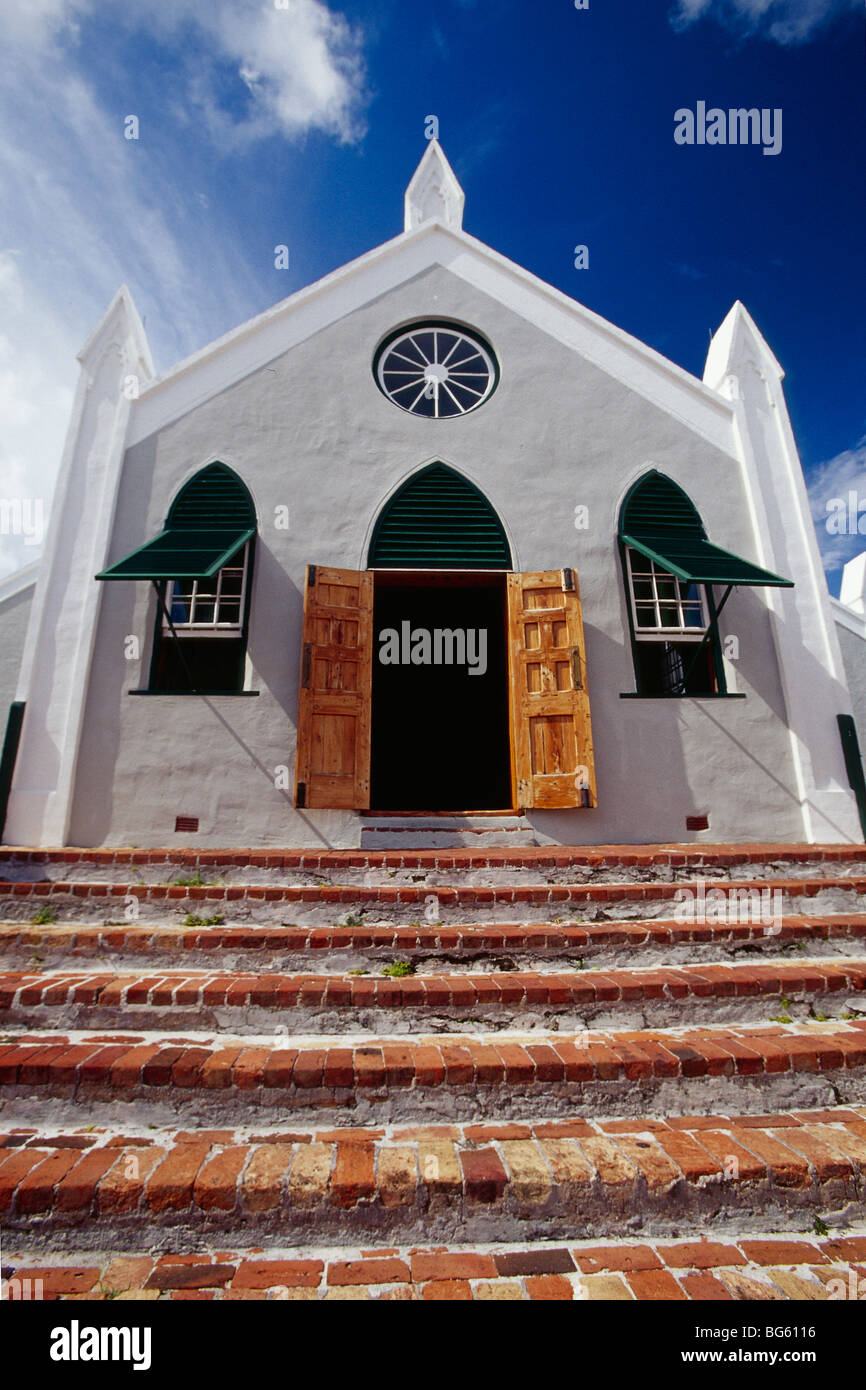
{"points": [[781, 21], [300, 62], [82, 209], [830, 486]]}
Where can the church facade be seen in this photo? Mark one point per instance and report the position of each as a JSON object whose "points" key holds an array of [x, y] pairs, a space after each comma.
{"points": [[430, 537]]}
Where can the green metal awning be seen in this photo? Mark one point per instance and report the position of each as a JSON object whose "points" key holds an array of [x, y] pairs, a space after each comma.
{"points": [[695, 559], [180, 553], [663, 523]]}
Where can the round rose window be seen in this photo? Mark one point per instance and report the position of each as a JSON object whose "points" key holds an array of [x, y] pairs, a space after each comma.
{"points": [[436, 370]]}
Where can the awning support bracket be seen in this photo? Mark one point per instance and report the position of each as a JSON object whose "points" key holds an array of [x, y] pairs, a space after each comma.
{"points": [[710, 634]]}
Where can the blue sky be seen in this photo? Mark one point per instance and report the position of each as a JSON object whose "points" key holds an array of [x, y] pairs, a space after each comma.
{"points": [[302, 125]]}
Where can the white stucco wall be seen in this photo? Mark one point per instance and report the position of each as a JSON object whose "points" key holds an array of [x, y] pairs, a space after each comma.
{"points": [[852, 640], [15, 605], [310, 430]]}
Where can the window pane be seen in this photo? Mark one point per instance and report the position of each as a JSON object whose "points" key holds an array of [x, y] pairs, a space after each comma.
{"points": [[215, 664], [639, 563], [663, 667], [673, 668], [425, 345], [398, 381], [463, 362], [465, 398], [426, 405], [180, 604], [447, 343], [670, 615], [229, 610], [396, 359], [203, 611]]}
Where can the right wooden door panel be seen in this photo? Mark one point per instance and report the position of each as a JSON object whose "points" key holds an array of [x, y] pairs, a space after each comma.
{"points": [[551, 728]]}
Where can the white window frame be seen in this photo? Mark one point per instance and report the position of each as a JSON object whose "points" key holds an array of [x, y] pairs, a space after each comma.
{"points": [[430, 377], [659, 633], [212, 628]]}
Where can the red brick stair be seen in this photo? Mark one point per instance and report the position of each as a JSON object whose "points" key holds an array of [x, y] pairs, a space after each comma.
{"points": [[247, 1002], [564, 1063]]}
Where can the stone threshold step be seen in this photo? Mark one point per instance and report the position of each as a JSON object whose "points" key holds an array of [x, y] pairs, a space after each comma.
{"points": [[554, 856], [287, 947], [376, 1081], [756, 899], [765, 1267], [662, 997], [552, 1180]]}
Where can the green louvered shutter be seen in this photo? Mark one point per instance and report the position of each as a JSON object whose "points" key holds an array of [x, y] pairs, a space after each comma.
{"points": [[658, 507], [439, 520], [215, 497]]}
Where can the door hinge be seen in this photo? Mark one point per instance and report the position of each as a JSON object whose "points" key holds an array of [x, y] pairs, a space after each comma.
{"points": [[311, 576], [301, 794], [306, 664], [568, 581], [576, 668]]}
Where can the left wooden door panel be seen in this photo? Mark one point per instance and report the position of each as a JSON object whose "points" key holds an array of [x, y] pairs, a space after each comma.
{"points": [[334, 709]]}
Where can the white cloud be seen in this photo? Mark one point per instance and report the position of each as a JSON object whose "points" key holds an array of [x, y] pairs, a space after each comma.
{"points": [[37, 372], [829, 484], [783, 21], [35, 22]]}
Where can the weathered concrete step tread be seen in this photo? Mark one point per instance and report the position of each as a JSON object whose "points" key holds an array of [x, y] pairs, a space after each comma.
{"points": [[315, 1075], [445, 895], [515, 990], [173, 940], [768, 1267], [552, 1178], [542, 856]]}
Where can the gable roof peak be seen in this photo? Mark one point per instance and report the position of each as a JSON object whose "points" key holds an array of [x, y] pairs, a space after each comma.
{"points": [[434, 194]]}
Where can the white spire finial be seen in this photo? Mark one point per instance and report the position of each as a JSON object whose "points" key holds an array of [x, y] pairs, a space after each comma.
{"points": [[434, 195]]}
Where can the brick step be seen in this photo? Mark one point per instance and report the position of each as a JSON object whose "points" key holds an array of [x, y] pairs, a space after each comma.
{"points": [[757, 900], [338, 949], [207, 1080], [572, 1179], [571, 863], [760, 1267], [667, 996]]}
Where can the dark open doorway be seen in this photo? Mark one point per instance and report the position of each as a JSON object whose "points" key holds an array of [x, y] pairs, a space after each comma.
{"points": [[440, 720]]}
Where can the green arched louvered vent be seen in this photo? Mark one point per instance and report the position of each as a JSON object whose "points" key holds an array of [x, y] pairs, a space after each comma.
{"points": [[214, 498], [439, 520], [656, 506], [209, 521]]}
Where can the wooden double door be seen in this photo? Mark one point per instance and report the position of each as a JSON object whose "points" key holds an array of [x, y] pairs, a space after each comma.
{"points": [[443, 691]]}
